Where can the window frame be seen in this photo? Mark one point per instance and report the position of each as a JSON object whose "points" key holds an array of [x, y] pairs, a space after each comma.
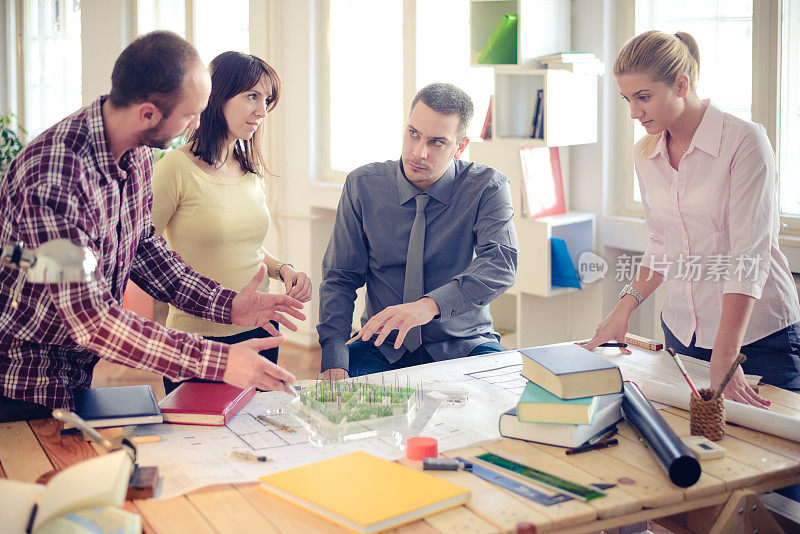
{"points": [[765, 105]]}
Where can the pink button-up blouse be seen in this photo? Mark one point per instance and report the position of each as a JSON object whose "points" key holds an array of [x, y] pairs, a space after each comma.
{"points": [[713, 227]]}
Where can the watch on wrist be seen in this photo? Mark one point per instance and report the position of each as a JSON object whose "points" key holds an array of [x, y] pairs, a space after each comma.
{"points": [[278, 269], [629, 290]]}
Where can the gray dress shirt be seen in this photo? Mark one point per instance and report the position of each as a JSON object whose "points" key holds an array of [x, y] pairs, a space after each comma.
{"points": [[470, 256]]}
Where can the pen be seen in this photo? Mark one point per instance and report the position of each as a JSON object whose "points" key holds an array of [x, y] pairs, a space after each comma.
{"points": [[604, 436], [249, 456], [593, 446], [618, 345], [290, 388], [274, 423]]}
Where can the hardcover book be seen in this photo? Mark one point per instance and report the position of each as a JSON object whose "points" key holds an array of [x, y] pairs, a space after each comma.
{"points": [[363, 492], [539, 405], [117, 406], [570, 371], [609, 412], [204, 403]]}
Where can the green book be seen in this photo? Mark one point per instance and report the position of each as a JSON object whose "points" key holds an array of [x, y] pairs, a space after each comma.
{"points": [[537, 405]]}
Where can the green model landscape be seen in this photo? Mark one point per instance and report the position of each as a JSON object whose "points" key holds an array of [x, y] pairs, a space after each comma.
{"points": [[343, 402]]}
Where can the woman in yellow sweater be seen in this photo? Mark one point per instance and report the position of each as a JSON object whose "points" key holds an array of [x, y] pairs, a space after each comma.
{"points": [[209, 196]]}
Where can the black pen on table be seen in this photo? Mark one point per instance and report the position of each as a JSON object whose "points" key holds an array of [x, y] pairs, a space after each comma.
{"points": [[593, 446], [617, 345]]}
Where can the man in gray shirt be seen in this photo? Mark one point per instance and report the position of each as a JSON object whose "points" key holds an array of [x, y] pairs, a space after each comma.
{"points": [[433, 239]]}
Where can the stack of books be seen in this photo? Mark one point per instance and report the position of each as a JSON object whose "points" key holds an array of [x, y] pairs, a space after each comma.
{"points": [[572, 395], [584, 62]]}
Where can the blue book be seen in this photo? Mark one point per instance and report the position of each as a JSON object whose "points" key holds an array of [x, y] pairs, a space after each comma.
{"points": [[117, 406], [570, 371], [562, 270], [537, 405]]}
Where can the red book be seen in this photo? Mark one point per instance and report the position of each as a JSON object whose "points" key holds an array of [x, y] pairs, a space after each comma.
{"points": [[204, 403], [541, 174]]}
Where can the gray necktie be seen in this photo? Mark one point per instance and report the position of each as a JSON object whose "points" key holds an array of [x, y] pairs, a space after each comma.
{"points": [[412, 288]]}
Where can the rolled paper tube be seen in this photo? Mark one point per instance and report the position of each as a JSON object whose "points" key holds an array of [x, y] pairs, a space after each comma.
{"points": [[673, 455], [769, 422]]}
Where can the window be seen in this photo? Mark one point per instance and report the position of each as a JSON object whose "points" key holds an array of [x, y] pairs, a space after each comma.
{"points": [[407, 46], [218, 29], [443, 55], [365, 77], [52, 62], [723, 31], [789, 133], [213, 30], [161, 15]]}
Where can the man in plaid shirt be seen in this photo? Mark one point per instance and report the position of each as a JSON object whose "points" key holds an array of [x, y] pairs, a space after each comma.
{"points": [[87, 179]]}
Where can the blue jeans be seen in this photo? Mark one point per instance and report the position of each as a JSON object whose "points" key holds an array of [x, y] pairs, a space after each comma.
{"points": [[365, 358], [270, 354], [776, 358]]}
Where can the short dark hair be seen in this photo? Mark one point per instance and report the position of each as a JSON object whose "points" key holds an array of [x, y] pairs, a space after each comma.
{"points": [[233, 73], [447, 99], [151, 69]]}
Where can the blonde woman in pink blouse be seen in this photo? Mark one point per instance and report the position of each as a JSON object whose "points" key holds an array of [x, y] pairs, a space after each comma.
{"points": [[709, 191]]}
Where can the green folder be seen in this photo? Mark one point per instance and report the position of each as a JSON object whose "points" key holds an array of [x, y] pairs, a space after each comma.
{"points": [[502, 45]]}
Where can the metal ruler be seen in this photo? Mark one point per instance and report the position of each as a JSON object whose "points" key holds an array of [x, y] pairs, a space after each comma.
{"points": [[524, 490], [577, 491], [512, 485]]}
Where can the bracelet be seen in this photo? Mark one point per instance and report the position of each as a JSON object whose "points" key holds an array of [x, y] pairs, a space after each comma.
{"points": [[278, 269]]}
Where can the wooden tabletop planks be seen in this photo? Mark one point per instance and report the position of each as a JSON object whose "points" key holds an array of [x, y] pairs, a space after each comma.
{"points": [[642, 491], [21, 455]]}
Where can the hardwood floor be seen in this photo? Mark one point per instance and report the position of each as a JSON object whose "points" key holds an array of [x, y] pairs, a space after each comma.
{"points": [[301, 361]]}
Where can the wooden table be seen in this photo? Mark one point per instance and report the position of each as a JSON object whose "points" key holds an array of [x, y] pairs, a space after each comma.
{"points": [[754, 463]]}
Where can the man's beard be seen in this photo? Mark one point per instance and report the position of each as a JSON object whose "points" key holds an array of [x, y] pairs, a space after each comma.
{"points": [[154, 137]]}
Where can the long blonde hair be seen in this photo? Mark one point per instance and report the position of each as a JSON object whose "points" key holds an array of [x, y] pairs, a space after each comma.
{"points": [[664, 56]]}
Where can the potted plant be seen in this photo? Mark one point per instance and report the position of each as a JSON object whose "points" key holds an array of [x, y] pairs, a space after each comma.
{"points": [[10, 142]]}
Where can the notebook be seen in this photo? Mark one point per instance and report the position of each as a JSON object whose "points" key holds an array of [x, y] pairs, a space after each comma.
{"points": [[363, 492], [539, 405], [117, 406], [570, 371], [78, 497], [204, 403]]}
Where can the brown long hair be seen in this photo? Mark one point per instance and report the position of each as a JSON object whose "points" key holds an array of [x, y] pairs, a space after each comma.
{"points": [[663, 56], [233, 73]]}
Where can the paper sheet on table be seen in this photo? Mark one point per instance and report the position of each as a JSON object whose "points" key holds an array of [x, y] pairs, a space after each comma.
{"points": [[766, 421]]}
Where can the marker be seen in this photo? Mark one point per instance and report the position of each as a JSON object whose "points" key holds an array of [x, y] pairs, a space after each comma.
{"points": [[593, 446]]}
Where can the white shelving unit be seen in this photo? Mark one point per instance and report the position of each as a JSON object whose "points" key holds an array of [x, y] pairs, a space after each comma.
{"points": [[534, 312], [570, 106], [543, 27]]}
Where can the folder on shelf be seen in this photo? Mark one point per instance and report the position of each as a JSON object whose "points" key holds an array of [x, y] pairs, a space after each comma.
{"points": [[543, 188], [501, 48], [562, 271]]}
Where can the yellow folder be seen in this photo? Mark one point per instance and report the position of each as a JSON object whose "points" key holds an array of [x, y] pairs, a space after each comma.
{"points": [[363, 492]]}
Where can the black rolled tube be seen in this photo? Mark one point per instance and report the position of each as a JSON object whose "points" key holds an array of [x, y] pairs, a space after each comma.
{"points": [[673, 455]]}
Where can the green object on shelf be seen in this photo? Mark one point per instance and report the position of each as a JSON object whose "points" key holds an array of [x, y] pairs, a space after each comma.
{"points": [[502, 45]]}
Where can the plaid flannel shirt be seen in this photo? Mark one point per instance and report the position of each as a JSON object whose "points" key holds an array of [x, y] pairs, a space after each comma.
{"points": [[66, 184]]}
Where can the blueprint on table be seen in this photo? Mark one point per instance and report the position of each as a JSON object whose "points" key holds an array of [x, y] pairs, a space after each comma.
{"points": [[193, 456]]}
